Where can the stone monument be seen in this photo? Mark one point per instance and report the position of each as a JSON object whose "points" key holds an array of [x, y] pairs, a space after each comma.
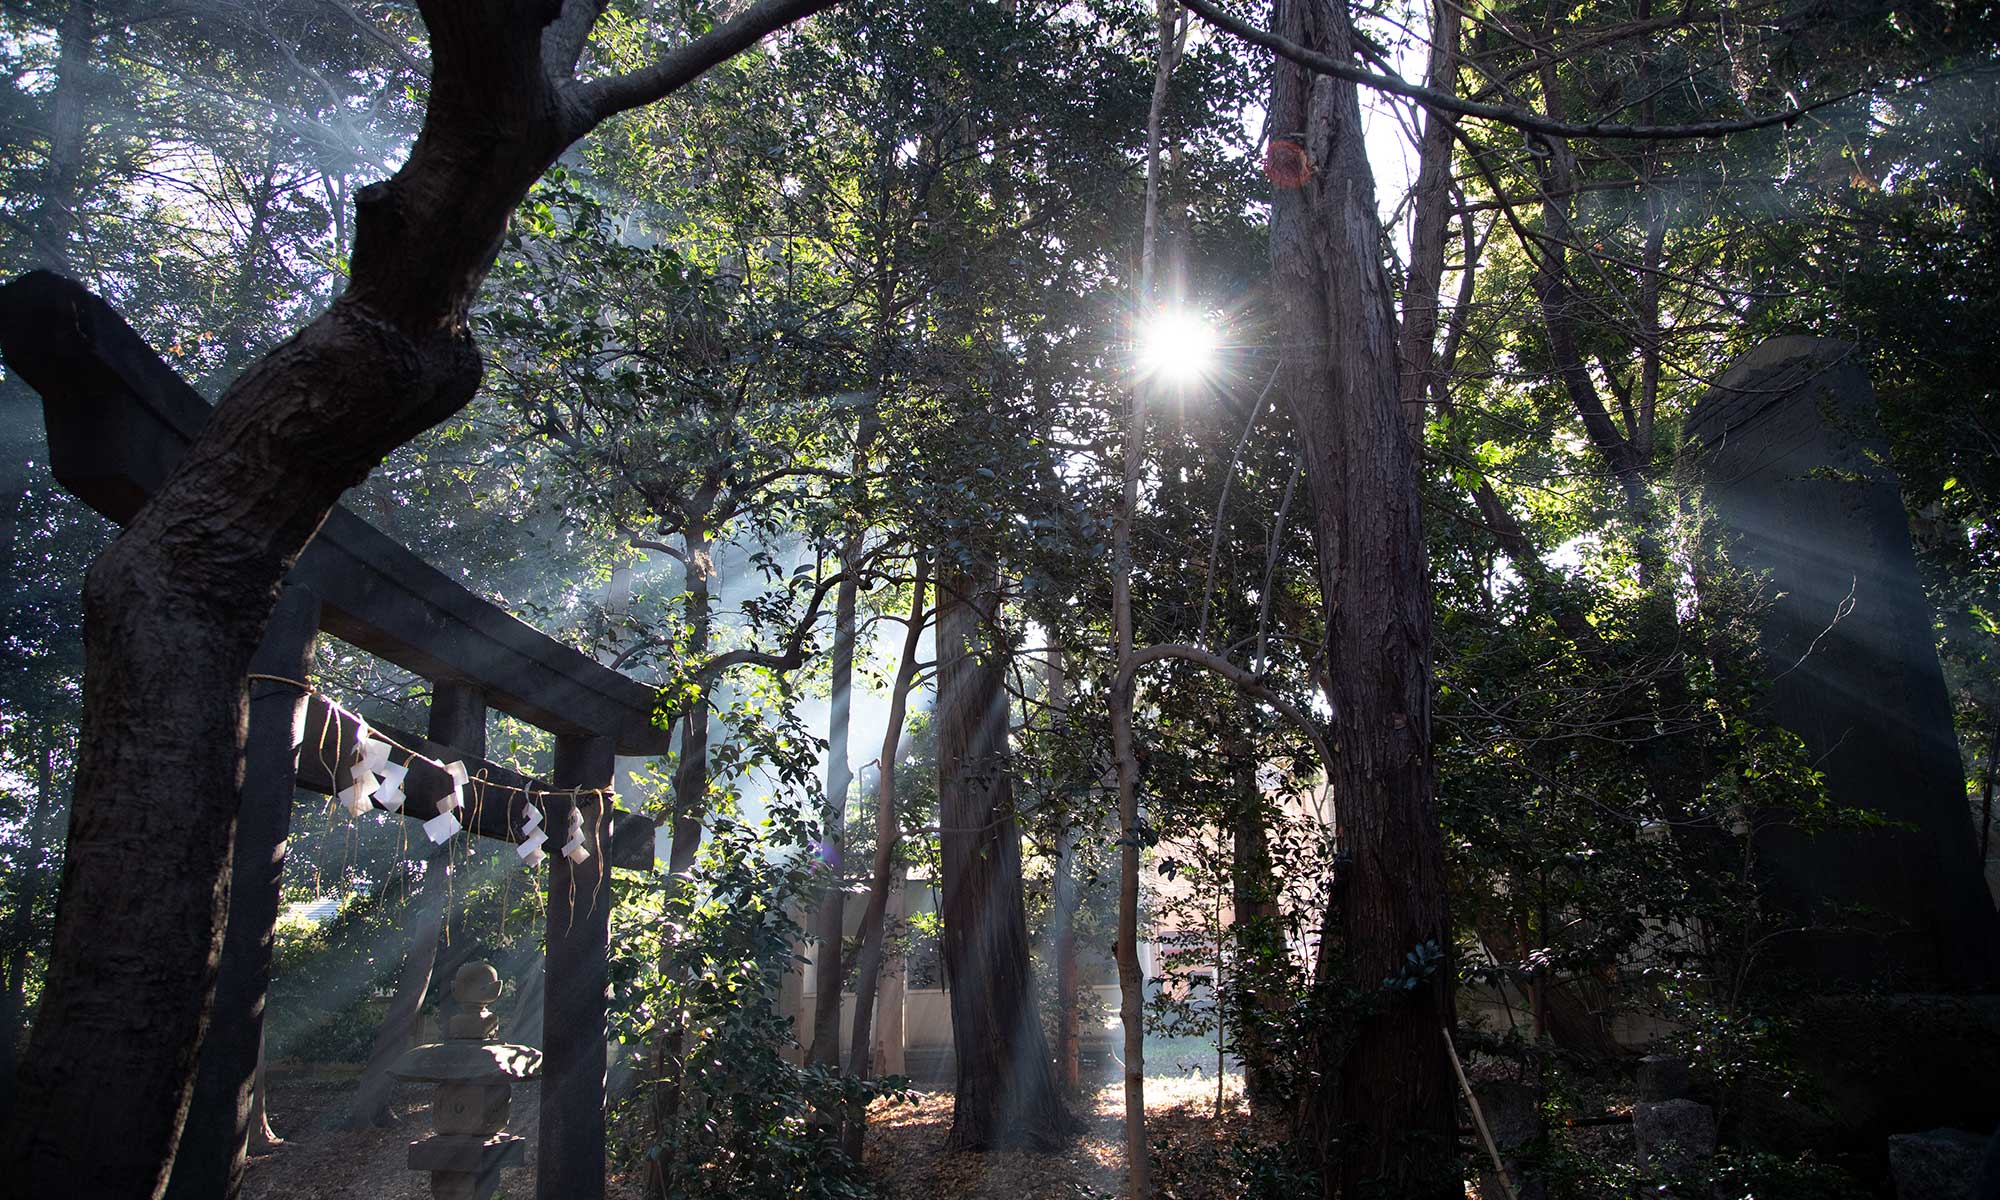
{"points": [[1796, 474]]}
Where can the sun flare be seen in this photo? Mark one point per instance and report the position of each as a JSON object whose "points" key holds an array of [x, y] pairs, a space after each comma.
{"points": [[1177, 347]]}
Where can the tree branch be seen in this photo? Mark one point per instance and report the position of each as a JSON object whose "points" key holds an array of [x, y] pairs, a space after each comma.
{"points": [[564, 38], [1443, 102], [1242, 679], [794, 655], [602, 98]]}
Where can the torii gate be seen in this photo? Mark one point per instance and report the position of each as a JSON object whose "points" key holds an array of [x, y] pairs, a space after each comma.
{"points": [[118, 419]]}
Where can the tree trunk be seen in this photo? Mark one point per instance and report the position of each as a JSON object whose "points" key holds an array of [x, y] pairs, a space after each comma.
{"points": [[1124, 752], [1564, 1009], [1380, 1116], [888, 831], [690, 803], [1432, 213], [458, 720], [691, 773], [53, 223], [1062, 910], [831, 916], [1259, 941], [1006, 1093]]}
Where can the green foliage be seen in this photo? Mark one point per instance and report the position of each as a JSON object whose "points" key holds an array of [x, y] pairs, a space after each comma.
{"points": [[706, 959]]}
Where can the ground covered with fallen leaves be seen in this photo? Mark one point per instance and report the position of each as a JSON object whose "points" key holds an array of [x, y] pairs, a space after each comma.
{"points": [[1191, 1150], [905, 1156]]}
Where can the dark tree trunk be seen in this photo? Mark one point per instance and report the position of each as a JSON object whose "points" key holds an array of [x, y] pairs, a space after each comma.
{"points": [[1380, 1116], [691, 772], [174, 609], [1259, 942], [1006, 1093], [1432, 210], [214, 1144], [831, 915], [868, 972], [1565, 1010]]}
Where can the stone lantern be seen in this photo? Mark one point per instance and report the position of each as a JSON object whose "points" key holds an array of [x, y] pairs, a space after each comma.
{"points": [[475, 1080]]}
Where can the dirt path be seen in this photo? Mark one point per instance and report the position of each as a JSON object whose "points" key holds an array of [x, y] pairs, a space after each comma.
{"points": [[320, 1161], [906, 1159]]}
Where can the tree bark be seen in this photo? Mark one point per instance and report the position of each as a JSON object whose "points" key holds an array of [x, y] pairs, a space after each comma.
{"points": [[1006, 1094], [1380, 1115], [1432, 213], [52, 225], [888, 831], [214, 1144], [1124, 751], [690, 803]]}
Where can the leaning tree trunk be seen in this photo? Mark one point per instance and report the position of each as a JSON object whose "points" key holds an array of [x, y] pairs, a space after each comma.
{"points": [[1006, 1093], [868, 971], [1386, 1092], [175, 607]]}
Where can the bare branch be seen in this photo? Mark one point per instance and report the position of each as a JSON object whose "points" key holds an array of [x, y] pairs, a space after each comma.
{"points": [[602, 98], [1443, 102], [1242, 679]]}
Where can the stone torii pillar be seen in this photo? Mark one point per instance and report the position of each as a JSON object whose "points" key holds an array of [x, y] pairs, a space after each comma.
{"points": [[569, 1162], [212, 1154]]}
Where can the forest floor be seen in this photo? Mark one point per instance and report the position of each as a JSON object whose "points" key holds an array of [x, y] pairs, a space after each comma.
{"points": [[320, 1161], [1191, 1151]]}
